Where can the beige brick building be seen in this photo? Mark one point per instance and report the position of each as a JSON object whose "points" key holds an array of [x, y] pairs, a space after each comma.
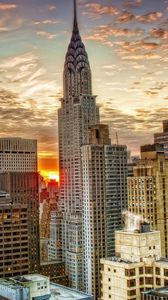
{"points": [[137, 266], [148, 190]]}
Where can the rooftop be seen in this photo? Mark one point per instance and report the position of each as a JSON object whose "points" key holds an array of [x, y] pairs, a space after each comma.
{"points": [[120, 260], [161, 292], [59, 292]]}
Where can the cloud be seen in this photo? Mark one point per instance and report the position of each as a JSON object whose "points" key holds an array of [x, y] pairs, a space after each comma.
{"points": [[38, 123], [8, 24], [46, 22], [51, 7], [7, 6], [46, 35], [159, 33], [151, 93], [127, 16], [132, 4], [95, 10], [134, 132], [104, 33]]}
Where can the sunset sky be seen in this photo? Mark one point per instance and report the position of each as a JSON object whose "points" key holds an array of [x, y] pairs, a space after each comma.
{"points": [[127, 44]]}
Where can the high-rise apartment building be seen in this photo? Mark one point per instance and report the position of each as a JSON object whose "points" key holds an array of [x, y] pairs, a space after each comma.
{"points": [[162, 137], [104, 172], [137, 265], [78, 111], [14, 250], [19, 178], [148, 190]]}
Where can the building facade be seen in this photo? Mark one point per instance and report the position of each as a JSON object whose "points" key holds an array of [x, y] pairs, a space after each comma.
{"points": [[55, 240], [162, 137], [19, 178], [136, 267], [18, 155], [23, 189], [78, 111], [148, 190], [14, 247], [104, 172]]}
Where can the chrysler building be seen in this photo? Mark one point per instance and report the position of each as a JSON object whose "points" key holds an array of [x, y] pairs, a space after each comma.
{"points": [[77, 113]]}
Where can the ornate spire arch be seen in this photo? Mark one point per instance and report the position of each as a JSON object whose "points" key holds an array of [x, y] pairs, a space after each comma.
{"points": [[77, 74]]}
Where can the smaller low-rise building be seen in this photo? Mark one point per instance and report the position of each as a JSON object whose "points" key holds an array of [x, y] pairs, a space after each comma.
{"points": [[37, 287], [137, 265]]}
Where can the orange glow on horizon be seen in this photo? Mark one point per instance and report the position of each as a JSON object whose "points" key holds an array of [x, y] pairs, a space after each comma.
{"points": [[48, 175]]}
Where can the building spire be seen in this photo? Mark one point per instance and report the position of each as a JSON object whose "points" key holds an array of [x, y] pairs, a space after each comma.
{"points": [[75, 25]]}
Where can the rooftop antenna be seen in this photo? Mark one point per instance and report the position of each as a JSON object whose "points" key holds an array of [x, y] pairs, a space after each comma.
{"points": [[75, 16]]}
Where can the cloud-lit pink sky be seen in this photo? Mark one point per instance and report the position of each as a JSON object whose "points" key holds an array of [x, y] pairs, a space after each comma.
{"points": [[127, 44]]}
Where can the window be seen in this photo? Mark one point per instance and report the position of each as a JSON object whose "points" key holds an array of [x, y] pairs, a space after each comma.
{"points": [[158, 282], [148, 270], [157, 271], [149, 280], [129, 272], [131, 293], [131, 283], [166, 272]]}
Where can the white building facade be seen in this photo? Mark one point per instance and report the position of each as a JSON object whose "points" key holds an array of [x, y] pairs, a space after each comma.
{"points": [[104, 172]]}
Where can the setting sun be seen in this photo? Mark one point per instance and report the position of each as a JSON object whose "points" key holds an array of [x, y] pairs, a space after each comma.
{"points": [[48, 175]]}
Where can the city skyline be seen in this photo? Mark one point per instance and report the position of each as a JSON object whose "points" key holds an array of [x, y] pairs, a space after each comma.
{"points": [[129, 67]]}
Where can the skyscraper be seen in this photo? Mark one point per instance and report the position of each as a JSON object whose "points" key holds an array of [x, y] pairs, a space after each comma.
{"points": [[14, 250], [78, 111], [19, 178], [104, 170]]}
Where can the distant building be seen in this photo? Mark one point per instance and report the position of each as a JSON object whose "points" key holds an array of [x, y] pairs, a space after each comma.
{"points": [[104, 172], [53, 188], [137, 265], [23, 189], [37, 287], [162, 138], [55, 240], [14, 250], [18, 155], [148, 190]]}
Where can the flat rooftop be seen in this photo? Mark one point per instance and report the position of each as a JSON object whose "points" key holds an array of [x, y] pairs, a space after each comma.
{"points": [[10, 283], [161, 292], [59, 292], [29, 278], [120, 260]]}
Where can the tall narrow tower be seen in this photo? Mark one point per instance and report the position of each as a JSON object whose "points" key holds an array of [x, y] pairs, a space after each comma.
{"points": [[77, 113]]}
